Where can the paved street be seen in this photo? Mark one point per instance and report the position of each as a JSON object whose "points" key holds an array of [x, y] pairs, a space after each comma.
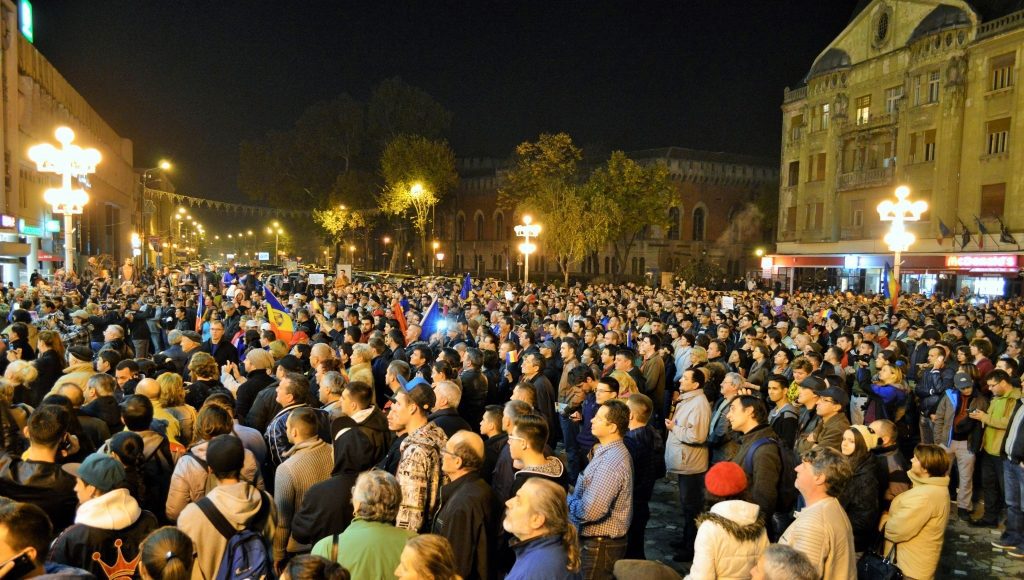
{"points": [[966, 553]]}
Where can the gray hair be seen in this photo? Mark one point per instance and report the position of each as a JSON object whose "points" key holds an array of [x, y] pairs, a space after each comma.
{"points": [[334, 382], [400, 368], [363, 351], [832, 464], [378, 495], [781, 562], [733, 378], [449, 391], [117, 328], [174, 336], [475, 357]]}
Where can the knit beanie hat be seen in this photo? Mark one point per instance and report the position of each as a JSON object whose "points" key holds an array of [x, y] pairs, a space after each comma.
{"points": [[725, 479], [870, 439]]}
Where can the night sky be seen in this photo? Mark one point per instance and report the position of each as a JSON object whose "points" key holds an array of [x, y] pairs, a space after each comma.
{"points": [[190, 80]]}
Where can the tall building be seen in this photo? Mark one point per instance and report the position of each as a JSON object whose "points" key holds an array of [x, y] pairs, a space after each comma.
{"points": [[917, 93], [712, 217], [37, 100]]}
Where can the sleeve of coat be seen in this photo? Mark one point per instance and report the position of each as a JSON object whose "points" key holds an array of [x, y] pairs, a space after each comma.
{"points": [[906, 519], [765, 485], [179, 495], [940, 427], [304, 528], [704, 553]]}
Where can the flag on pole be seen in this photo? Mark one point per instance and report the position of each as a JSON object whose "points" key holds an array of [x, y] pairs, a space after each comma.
{"points": [[280, 321], [965, 236], [982, 232], [943, 232], [467, 286], [396, 308], [200, 311], [890, 286], [430, 321], [1005, 237]]}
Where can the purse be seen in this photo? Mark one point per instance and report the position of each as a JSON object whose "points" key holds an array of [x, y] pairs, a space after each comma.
{"points": [[873, 566]]}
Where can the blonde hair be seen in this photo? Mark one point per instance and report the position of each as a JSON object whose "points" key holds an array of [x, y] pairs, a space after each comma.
{"points": [[52, 341], [260, 359], [698, 354], [172, 390], [278, 349], [897, 374], [21, 373], [203, 365]]}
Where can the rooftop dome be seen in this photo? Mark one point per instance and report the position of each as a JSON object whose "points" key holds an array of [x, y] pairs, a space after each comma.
{"points": [[943, 17], [833, 59]]}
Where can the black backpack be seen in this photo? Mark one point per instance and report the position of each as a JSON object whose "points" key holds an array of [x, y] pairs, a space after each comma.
{"points": [[786, 492]]}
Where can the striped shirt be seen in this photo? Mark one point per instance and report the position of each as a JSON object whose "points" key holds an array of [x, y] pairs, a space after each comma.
{"points": [[601, 504], [823, 533], [306, 464]]}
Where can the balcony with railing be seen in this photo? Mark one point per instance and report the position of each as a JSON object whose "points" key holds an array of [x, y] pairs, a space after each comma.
{"points": [[865, 178], [794, 95], [1000, 25]]}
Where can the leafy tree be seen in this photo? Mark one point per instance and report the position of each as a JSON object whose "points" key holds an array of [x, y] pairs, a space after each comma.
{"points": [[417, 172], [701, 272], [544, 182], [397, 108], [636, 196]]}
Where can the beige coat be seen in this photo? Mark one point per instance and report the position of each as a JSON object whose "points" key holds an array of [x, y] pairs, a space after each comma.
{"points": [[917, 523]]}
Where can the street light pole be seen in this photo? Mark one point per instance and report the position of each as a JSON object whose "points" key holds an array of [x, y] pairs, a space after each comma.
{"points": [[527, 230], [70, 161], [898, 238]]}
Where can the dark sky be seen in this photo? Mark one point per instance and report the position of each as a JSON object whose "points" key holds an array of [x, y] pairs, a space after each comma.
{"points": [[189, 80]]}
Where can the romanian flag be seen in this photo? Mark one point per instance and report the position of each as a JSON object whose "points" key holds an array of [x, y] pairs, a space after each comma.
{"points": [[396, 308], [280, 321], [890, 286], [200, 310]]}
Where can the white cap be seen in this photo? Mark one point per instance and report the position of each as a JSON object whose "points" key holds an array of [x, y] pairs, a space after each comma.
{"points": [[265, 326]]}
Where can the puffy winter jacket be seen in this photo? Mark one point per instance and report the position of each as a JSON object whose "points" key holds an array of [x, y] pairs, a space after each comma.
{"points": [[730, 539], [190, 481]]}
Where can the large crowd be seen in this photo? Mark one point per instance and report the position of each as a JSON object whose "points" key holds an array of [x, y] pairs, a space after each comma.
{"points": [[209, 424]]}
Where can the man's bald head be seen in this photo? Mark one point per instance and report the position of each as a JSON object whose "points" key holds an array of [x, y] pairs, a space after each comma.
{"points": [[73, 393], [148, 388], [469, 447]]}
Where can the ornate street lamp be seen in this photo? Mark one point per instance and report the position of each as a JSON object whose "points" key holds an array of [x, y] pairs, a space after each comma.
{"points": [[527, 230], [898, 238], [70, 161]]}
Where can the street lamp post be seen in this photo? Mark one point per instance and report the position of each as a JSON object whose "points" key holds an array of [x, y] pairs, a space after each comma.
{"points": [[275, 228], [70, 161], [527, 230], [898, 238]]}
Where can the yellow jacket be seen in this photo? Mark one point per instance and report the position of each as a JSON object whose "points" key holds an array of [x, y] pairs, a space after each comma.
{"points": [[999, 412], [917, 524]]}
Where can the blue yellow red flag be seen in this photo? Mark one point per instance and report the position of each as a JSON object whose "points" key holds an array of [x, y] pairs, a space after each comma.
{"points": [[280, 321]]}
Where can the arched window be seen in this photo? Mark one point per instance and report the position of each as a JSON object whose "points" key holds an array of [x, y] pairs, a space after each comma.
{"points": [[499, 226], [673, 223], [478, 220], [698, 224], [460, 227]]}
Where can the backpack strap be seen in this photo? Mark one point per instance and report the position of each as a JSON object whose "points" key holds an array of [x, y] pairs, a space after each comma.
{"points": [[748, 461], [334, 548], [216, 518]]}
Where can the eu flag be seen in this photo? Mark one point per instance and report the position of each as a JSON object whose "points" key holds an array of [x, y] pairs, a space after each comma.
{"points": [[467, 285]]}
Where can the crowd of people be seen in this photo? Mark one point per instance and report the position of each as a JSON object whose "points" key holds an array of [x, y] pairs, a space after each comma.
{"points": [[208, 425]]}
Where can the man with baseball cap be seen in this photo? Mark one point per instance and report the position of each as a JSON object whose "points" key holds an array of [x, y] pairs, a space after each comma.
{"points": [[829, 433], [419, 470], [109, 524], [960, 434]]}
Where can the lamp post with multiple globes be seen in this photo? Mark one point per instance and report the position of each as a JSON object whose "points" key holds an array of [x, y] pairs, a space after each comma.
{"points": [[898, 238]]}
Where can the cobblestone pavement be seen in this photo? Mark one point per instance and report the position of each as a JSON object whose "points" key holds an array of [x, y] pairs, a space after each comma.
{"points": [[966, 553]]}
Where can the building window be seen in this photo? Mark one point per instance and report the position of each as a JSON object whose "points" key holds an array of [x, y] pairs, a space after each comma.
{"points": [[892, 98], [698, 224], [794, 174], [915, 88], [673, 223], [816, 167], [460, 227], [993, 198], [1001, 68], [998, 136], [790, 224], [933, 86], [796, 127], [925, 195], [863, 109], [499, 226], [479, 222], [824, 118], [912, 153], [929, 145], [857, 213]]}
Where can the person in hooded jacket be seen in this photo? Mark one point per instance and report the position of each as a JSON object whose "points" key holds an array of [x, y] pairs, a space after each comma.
{"points": [[190, 480], [360, 414], [109, 524], [239, 502], [860, 497], [731, 535]]}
